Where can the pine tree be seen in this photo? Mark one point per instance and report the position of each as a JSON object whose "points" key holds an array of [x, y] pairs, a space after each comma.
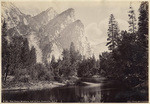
{"points": [[132, 20], [5, 53], [75, 59], [16, 53], [65, 69], [53, 62], [93, 65], [25, 55], [143, 24], [75, 56], [94, 60], [32, 56], [113, 33], [143, 40]]}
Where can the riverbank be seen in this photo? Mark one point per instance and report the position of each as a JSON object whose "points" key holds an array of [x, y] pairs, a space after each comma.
{"points": [[33, 85], [13, 85]]}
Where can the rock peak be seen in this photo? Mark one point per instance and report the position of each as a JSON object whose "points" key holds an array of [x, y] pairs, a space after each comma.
{"points": [[49, 9], [68, 11], [78, 22]]}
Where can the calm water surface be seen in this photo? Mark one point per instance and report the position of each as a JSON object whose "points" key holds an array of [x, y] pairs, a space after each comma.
{"points": [[102, 90]]}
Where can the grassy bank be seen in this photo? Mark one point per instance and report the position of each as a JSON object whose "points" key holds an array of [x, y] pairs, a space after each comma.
{"points": [[32, 85], [13, 84]]}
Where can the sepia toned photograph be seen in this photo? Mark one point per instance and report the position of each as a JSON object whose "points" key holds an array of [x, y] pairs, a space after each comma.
{"points": [[74, 51]]}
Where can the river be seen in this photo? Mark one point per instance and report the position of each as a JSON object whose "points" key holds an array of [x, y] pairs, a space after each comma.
{"points": [[88, 90]]}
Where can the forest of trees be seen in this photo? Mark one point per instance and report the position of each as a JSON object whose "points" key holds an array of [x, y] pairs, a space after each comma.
{"points": [[127, 60], [19, 60], [16, 55]]}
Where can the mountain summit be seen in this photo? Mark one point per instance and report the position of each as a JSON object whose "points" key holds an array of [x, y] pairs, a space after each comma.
{"points": [[49, 32]]}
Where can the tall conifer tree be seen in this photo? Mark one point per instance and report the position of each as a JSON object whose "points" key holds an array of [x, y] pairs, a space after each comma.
{"points": [[113, 33]]}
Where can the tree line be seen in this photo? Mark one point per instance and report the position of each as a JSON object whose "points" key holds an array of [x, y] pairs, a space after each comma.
{"points": [[16, 54], [19, 60], [128, 57]]}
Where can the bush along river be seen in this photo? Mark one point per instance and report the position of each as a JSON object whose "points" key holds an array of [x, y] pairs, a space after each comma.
{"points": [[85, 90]]}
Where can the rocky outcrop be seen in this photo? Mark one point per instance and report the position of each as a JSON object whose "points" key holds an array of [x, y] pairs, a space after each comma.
{"points": [[49, 32]]}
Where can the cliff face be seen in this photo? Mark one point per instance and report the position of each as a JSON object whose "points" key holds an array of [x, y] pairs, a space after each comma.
{"points": [[12, 15], [49, 32], [56, 25]]}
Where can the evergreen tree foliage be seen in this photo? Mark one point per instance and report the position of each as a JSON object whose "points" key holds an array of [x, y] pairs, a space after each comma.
{"points": [[88, 67], [113, 33], [16, 55], [25, 54], [65, 70], [129, 61], [143, 24], [5, 52], [53, 64], [143, 38], [32, 59], [132, 20]]}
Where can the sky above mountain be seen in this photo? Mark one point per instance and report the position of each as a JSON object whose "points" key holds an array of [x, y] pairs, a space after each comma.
{"points": [[94, 15]]}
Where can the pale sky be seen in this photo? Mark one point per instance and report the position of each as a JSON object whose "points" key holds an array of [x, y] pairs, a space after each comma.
{"points": [[94, 15]]}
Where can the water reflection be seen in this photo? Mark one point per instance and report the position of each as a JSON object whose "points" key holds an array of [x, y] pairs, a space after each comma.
{"points": [[91, 98], [96, 92]]}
